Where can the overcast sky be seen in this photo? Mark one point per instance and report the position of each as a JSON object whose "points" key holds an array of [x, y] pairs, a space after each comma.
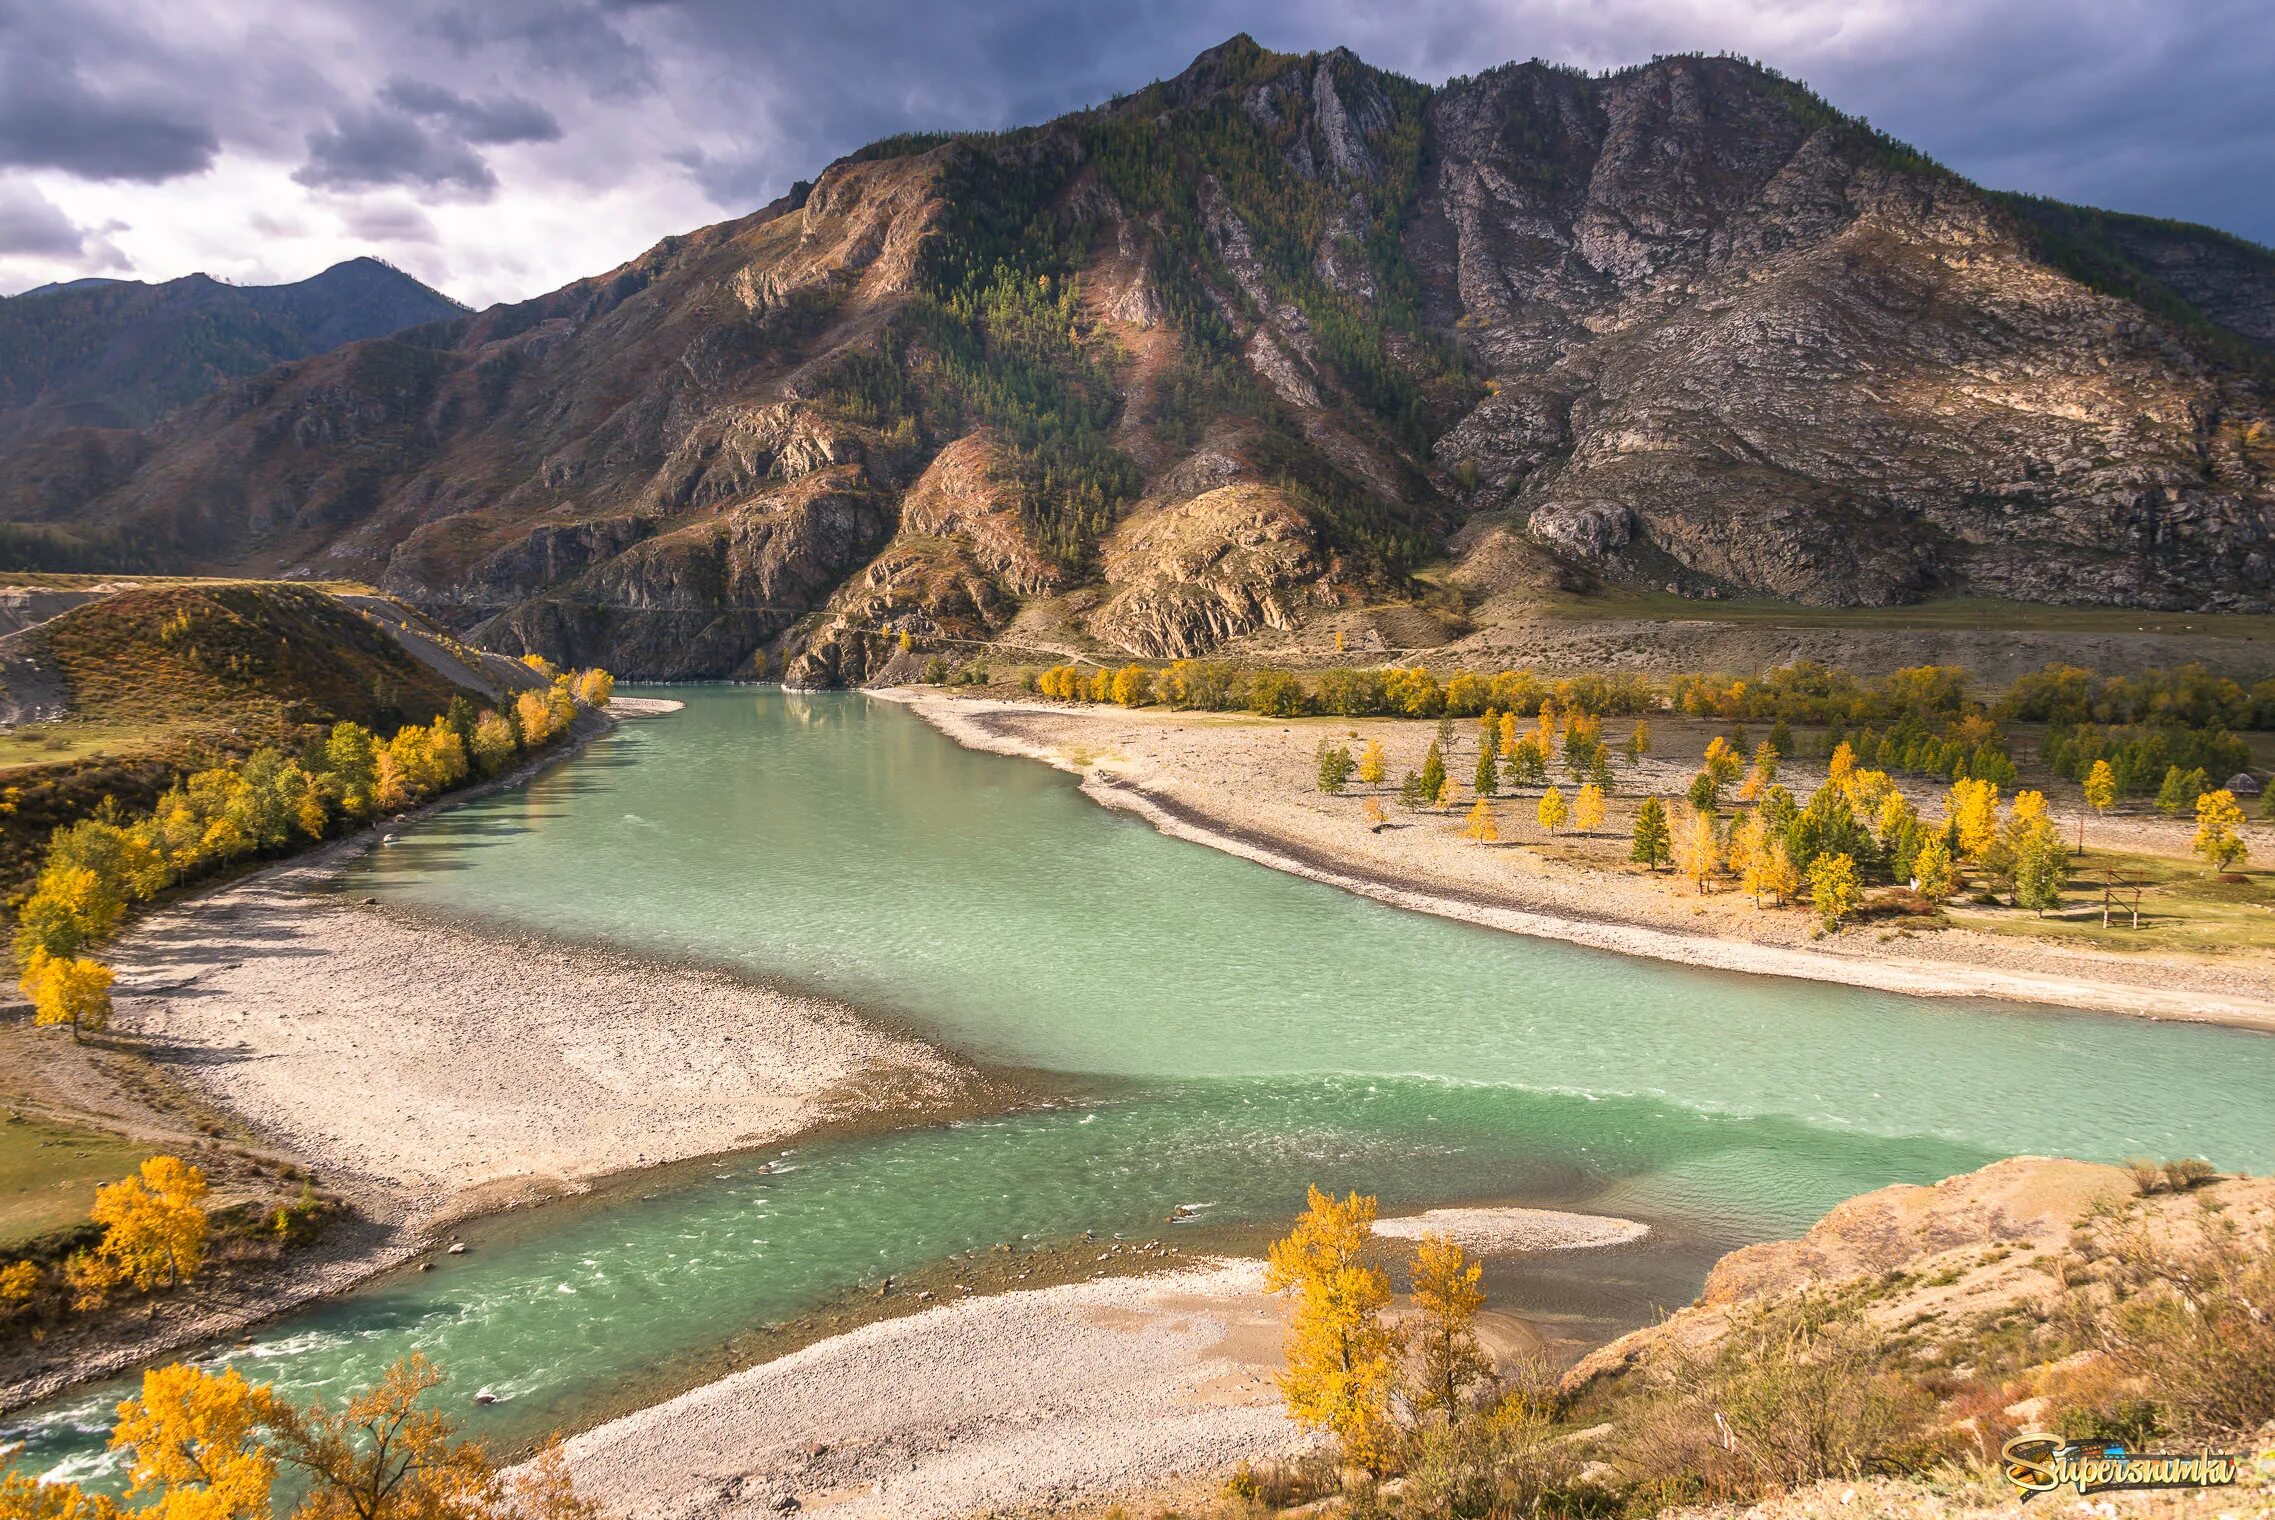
{"points": [[499, 148]]}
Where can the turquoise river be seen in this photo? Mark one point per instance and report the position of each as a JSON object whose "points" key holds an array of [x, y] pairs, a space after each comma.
{"points": [[1220, 1034]]}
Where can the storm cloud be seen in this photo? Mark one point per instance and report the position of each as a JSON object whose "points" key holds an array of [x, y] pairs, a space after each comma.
{"points": [[502, 147]]}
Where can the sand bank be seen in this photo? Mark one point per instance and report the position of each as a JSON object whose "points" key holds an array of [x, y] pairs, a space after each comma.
{"points": [[1514, 1231], [1034, 1398], [1241, 785], [440, 1061]]}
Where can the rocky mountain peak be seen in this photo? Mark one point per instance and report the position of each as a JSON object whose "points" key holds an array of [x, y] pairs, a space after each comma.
{"points": [[1252, 344]]}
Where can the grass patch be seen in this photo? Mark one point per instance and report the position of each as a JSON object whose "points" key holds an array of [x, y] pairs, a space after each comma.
{"points": [[2184, 906], [1962, 613], [65, 742], [49, 1173]]}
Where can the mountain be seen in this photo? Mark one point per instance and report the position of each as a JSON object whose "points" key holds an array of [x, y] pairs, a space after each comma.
{"points": [[122, 353], [1253, 343]]}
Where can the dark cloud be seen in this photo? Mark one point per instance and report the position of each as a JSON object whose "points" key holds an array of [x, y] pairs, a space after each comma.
{"points": [[575, 41], [52, 118], [368, 148], [504, 119]]}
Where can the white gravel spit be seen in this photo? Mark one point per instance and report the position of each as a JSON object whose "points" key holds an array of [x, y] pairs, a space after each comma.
{"points": [[438, 1060], [1514, 1231], [1023, 1400], [643, 707]]}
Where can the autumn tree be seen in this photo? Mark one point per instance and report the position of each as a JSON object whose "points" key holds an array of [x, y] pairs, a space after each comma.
{"points": [[1761, 775], [19, 1280], [154, 1226], [70, 990], [1526, 766], [492, 748], [539, 718], [1588, 808], [1698, 847], [2219, 830], [1341, 1354], [1133, 686], [1447, 1297], [1651, 839], [1372, 764], [1973, 808], [210, 1446], [1481, 826], [594, 687], [196, 1442], [1638, 743], [1770, 870], [1934, 874], [2100, 788], [1833, 888], [1552, 810]]}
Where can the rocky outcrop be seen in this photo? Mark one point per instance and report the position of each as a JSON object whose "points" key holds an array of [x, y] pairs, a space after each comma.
{"points": [[1191, 575]]}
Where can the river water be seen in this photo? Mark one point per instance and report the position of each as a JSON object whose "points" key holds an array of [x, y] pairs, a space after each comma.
{"points": [[1226, 1034]]}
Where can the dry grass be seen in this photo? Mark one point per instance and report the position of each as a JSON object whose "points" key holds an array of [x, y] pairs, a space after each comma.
{"points": [[49, 1173]]}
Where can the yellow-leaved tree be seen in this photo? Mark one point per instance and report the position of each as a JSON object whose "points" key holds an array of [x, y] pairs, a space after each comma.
{"points": [[209, 1446], [154, 1230], [1833, 888], [1552, 810], [2100, 789], [1588, 808], [1974, 807], [595, 686], [67, 989], [1342, 1355], [1372, 764], [1446, 1300], [194, 1442], [1698, 847], [1481, 826], [2219, 830]]}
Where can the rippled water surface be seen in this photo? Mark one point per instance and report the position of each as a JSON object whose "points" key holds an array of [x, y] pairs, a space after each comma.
{"points": [[1241, 1033]]}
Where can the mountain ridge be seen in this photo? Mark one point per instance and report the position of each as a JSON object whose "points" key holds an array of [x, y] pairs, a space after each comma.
{"points": [[121, 353], [1251, 345]]}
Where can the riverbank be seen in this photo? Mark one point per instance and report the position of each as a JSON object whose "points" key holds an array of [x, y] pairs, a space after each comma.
{"points": [[1021, 1400], [428, 1072], [1243, 785]]}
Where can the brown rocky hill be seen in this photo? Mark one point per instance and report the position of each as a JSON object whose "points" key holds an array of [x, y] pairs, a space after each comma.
{"points": [[1251, 343]]}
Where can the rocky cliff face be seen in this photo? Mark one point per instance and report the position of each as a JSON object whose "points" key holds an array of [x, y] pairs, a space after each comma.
{"points": [[1253, 343]]}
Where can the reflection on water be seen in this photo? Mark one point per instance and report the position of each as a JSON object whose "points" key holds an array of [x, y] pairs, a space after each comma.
{"points": [[1246, 1033]]}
